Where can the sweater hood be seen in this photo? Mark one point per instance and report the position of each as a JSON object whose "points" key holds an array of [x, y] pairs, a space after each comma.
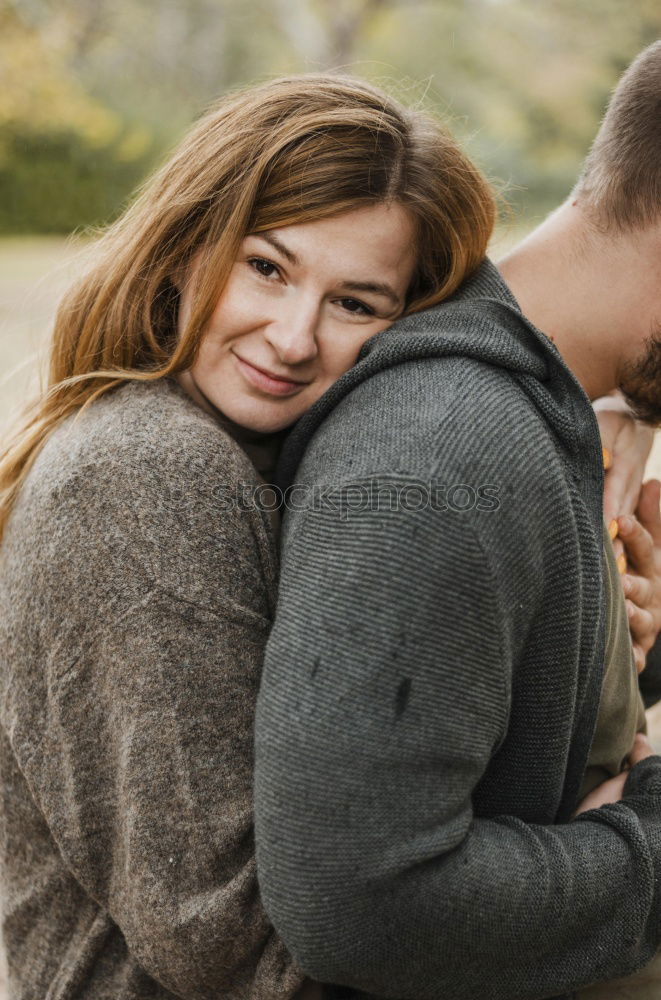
{"points": [[483, 322]]}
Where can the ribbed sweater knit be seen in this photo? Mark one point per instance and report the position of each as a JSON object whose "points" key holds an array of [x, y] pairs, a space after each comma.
{"points": [[135, 601], [432, 680]]}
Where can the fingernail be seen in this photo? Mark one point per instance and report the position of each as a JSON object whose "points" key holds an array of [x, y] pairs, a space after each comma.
{"points": [[626, 584], [622, 563], [606, 455], [629, 607], [625, 523], [612, 529]]}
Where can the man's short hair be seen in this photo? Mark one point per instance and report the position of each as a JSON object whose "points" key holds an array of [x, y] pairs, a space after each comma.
{"points": [[621, 177]]}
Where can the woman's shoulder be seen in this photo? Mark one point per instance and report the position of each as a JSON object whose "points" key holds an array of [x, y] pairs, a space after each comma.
{"points": [[145, 427], [143, 485]]}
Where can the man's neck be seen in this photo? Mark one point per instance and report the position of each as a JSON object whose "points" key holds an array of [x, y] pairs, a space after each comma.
{"points": [[593, 294]]}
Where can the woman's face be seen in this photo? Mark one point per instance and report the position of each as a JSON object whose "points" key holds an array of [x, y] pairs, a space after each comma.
{"points": [[300, 302]]}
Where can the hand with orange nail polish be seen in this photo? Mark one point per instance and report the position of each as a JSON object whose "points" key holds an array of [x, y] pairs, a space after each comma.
{"points": [[640, 534], [626, 445]]}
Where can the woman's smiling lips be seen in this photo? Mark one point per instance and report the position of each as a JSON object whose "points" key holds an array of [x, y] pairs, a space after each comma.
{"points": [[274, 385]]}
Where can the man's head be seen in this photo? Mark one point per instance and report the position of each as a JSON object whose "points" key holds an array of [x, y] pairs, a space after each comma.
{"points": [[621, 188], [590, 275], [621, 179]]}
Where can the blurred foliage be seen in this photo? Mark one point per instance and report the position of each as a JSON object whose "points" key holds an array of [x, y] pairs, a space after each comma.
{"points": [[93, 91], [57, 182], [66, 158]]}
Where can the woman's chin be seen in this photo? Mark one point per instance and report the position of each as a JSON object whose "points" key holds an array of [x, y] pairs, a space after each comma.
{"points": [[256, 420], [243, 410]]}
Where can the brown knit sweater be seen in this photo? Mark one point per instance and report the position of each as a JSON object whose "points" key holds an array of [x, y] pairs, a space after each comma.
{"points": [[134, 606]]}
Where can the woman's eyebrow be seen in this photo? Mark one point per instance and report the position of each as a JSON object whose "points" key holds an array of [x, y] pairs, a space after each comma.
{"points": [[278, 245], [376, 287]]}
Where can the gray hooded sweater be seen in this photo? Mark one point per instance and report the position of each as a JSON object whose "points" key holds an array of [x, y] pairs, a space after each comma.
{"points": [[432, 680]]}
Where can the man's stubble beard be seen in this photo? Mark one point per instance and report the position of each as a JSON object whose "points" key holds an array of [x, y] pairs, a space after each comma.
{"points": [[641, 382]]}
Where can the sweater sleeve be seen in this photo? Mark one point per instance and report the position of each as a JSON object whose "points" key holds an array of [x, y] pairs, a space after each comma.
{"points": [[384, 696], [132, 719]]}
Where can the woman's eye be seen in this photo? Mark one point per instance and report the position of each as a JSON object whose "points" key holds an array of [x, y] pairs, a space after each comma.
{"points": [[354, 306], [264, 267]]}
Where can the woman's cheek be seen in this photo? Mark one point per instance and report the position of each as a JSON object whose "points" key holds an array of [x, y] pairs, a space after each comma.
{"points": [[347, 358]]}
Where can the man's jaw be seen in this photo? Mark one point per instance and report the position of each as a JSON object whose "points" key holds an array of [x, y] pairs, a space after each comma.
{"points": [[641, 382]]}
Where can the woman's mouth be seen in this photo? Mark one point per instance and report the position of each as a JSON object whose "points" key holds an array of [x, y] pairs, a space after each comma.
{"points": [[266, 381]]}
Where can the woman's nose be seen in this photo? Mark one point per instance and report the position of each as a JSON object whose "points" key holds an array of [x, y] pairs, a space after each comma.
{"points": [[293, 335]]}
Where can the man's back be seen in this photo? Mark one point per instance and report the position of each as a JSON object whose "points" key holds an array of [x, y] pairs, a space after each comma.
{"points": [[432, 681]]}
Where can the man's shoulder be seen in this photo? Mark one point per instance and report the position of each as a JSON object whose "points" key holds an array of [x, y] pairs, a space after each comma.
{"points": [[454, 412]]}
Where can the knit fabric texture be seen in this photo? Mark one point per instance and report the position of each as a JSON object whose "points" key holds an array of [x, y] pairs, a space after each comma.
{"points": [[135, 601], [621, 710], [432, 680]]}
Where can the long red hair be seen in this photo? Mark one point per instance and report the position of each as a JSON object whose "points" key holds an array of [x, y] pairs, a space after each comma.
{"points": [[284, 152]]}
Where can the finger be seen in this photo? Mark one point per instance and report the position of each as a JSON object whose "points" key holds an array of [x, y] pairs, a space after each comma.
{"points": [[622, 486], [648, 510], [620, 492], [631, 493], [638, 544], [641, 626], [628, 443], [639, 658], [618, 545], [641, 749], [638, 589], [609, 791]]}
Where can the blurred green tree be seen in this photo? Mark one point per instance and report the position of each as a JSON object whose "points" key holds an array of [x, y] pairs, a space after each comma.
{"points": [[66, 159], [112, 83]]}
